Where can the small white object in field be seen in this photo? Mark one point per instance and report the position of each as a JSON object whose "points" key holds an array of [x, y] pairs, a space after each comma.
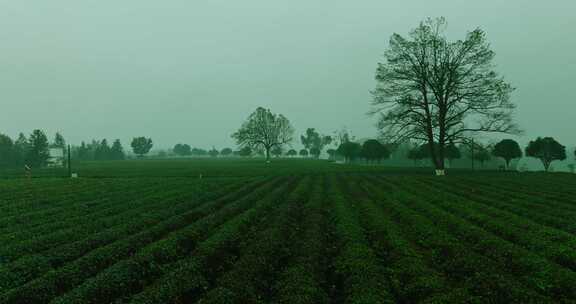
{"points": [[440, 173], [74, 175]]}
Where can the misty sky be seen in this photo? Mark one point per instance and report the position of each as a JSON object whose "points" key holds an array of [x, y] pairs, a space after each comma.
{"points": [[191, 71]]}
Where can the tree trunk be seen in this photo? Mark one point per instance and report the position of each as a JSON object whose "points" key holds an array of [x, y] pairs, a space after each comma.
{"points": [[267, 154], [546, 164], [507, 164]]}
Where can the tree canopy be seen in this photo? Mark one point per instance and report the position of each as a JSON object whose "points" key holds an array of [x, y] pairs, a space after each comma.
{"points": [[508, 149], [117, 151], [315, 142], [349, 150], [264, 130], [452, 152], [141, 145], [373, 150], [37, 154], [291, 152], [482, 154], [331, 153], [182, 149], [226, 152], [245, 151], [59, 141], [547, 150], [434, 90], [214, 152], [416, 154], [6, 151], [277, 151], [103, 151]]}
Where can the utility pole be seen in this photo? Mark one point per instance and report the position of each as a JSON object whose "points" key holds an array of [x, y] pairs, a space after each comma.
{"points": [[69, 163], [472, 152]]}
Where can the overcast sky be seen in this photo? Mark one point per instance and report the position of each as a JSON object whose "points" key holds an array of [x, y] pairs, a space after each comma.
{"points": [[191, 71]]}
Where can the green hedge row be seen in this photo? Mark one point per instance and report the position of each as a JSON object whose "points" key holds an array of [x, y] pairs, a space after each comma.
{"points": [[411, 278], [129, 276], [360, 272], [191, 276], [520, 265], [260, 257], [304, 279], [54, 283], [138, 217]]}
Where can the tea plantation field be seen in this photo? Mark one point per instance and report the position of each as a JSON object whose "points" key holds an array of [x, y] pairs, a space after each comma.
{"points": [[286, 233]]}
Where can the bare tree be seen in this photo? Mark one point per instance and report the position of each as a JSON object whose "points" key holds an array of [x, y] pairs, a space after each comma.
{"points": [[264, 130], [436, 91]]}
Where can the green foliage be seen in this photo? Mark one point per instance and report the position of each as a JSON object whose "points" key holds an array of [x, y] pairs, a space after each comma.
{"points": [[214, 152], [373, 150], [37, 153], [245, 151], [303, 153], [452, 152], [21, 147], [508, 149], [98, 150], [291, 153], [117, 151], [141, 145], [226, 152], [482, 154], [103, 151], [331, 235], [59, 141], [264, 130], [431, 89], [547, 150], [332, 153], [314, 142], [7, 152], [349, 150], [182, 149], [416, 154], [199, 152], [277, 151]]}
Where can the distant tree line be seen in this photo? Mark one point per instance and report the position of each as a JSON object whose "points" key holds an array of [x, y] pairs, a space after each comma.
{"points": [[545, 149], [99, 150], [187, 150], [31, 150]]}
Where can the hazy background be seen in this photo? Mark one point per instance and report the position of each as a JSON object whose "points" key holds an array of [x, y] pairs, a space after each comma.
{"points": [[191, 71]]}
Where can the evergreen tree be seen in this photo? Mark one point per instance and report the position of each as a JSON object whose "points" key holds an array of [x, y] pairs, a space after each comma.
{"points": [[6, 151], [59, 141], [21, 147], [102, 151], [82, 152], [38, 154], [117, 151]]}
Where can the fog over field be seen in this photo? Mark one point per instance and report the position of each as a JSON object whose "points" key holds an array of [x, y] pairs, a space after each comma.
{"points": [[301, 152], [192, 71]]}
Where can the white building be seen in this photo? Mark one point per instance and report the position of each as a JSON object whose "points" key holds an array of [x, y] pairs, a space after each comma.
{"points": [[56, 158]]}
